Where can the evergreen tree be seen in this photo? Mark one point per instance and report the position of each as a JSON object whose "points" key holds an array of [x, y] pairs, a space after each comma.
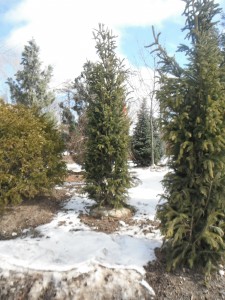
{"points": [[141, 140], [30, 87], [192, 103], [107, 129]]}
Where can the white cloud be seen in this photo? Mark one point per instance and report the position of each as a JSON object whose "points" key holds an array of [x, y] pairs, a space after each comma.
{"points": [[63, 28]]}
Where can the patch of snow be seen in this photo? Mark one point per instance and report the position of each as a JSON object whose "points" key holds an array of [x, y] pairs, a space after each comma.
{"points": [[131, 164], [79, 204], [67, 245], [73, 167], [65, 153], [164, 160], [58, 187], [92, 282], [122, 223], [145, 196], [148, 287], [63, 249]]}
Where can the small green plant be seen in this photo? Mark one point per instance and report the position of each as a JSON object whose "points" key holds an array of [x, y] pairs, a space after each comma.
{"points": [[30, 154]]}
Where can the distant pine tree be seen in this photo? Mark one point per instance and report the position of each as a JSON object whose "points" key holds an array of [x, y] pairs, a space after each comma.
{"points": [[192, 101], [107, 129], [142, 139], [31, 84]]}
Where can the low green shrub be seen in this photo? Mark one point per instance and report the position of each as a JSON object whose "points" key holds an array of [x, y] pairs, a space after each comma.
{"points": [[30, 154]]}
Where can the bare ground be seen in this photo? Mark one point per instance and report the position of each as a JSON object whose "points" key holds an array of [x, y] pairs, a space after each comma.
{"points": [[184, 283], [30, 214], [180, 285]]}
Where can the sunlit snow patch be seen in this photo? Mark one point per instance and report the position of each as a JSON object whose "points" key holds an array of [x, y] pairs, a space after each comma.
{"points": [[66, 244]]}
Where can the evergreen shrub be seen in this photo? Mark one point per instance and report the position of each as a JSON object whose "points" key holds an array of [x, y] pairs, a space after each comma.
{"points": [[30, 154]]}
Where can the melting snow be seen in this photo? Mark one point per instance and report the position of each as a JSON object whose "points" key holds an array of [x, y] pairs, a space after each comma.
{"points": [[66, 244]]}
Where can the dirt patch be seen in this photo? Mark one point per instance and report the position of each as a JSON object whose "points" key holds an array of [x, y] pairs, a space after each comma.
{"points": [[184, 284], [15, 220], [68, 159], [111, 225], [30, 214], [103, 224], [78, 177]]}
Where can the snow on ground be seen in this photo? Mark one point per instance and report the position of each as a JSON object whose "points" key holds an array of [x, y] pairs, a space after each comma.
{"points": [[74, 167], [145, 196], [65, 244]]}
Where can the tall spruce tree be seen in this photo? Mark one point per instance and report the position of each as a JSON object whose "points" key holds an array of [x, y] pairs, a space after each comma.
{"points": [[142, 139], [192, 103], [106, 158], [31, 84]]}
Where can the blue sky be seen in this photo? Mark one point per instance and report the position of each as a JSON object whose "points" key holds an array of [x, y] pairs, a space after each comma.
{"points": [[139, 37], [63, 30]]}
